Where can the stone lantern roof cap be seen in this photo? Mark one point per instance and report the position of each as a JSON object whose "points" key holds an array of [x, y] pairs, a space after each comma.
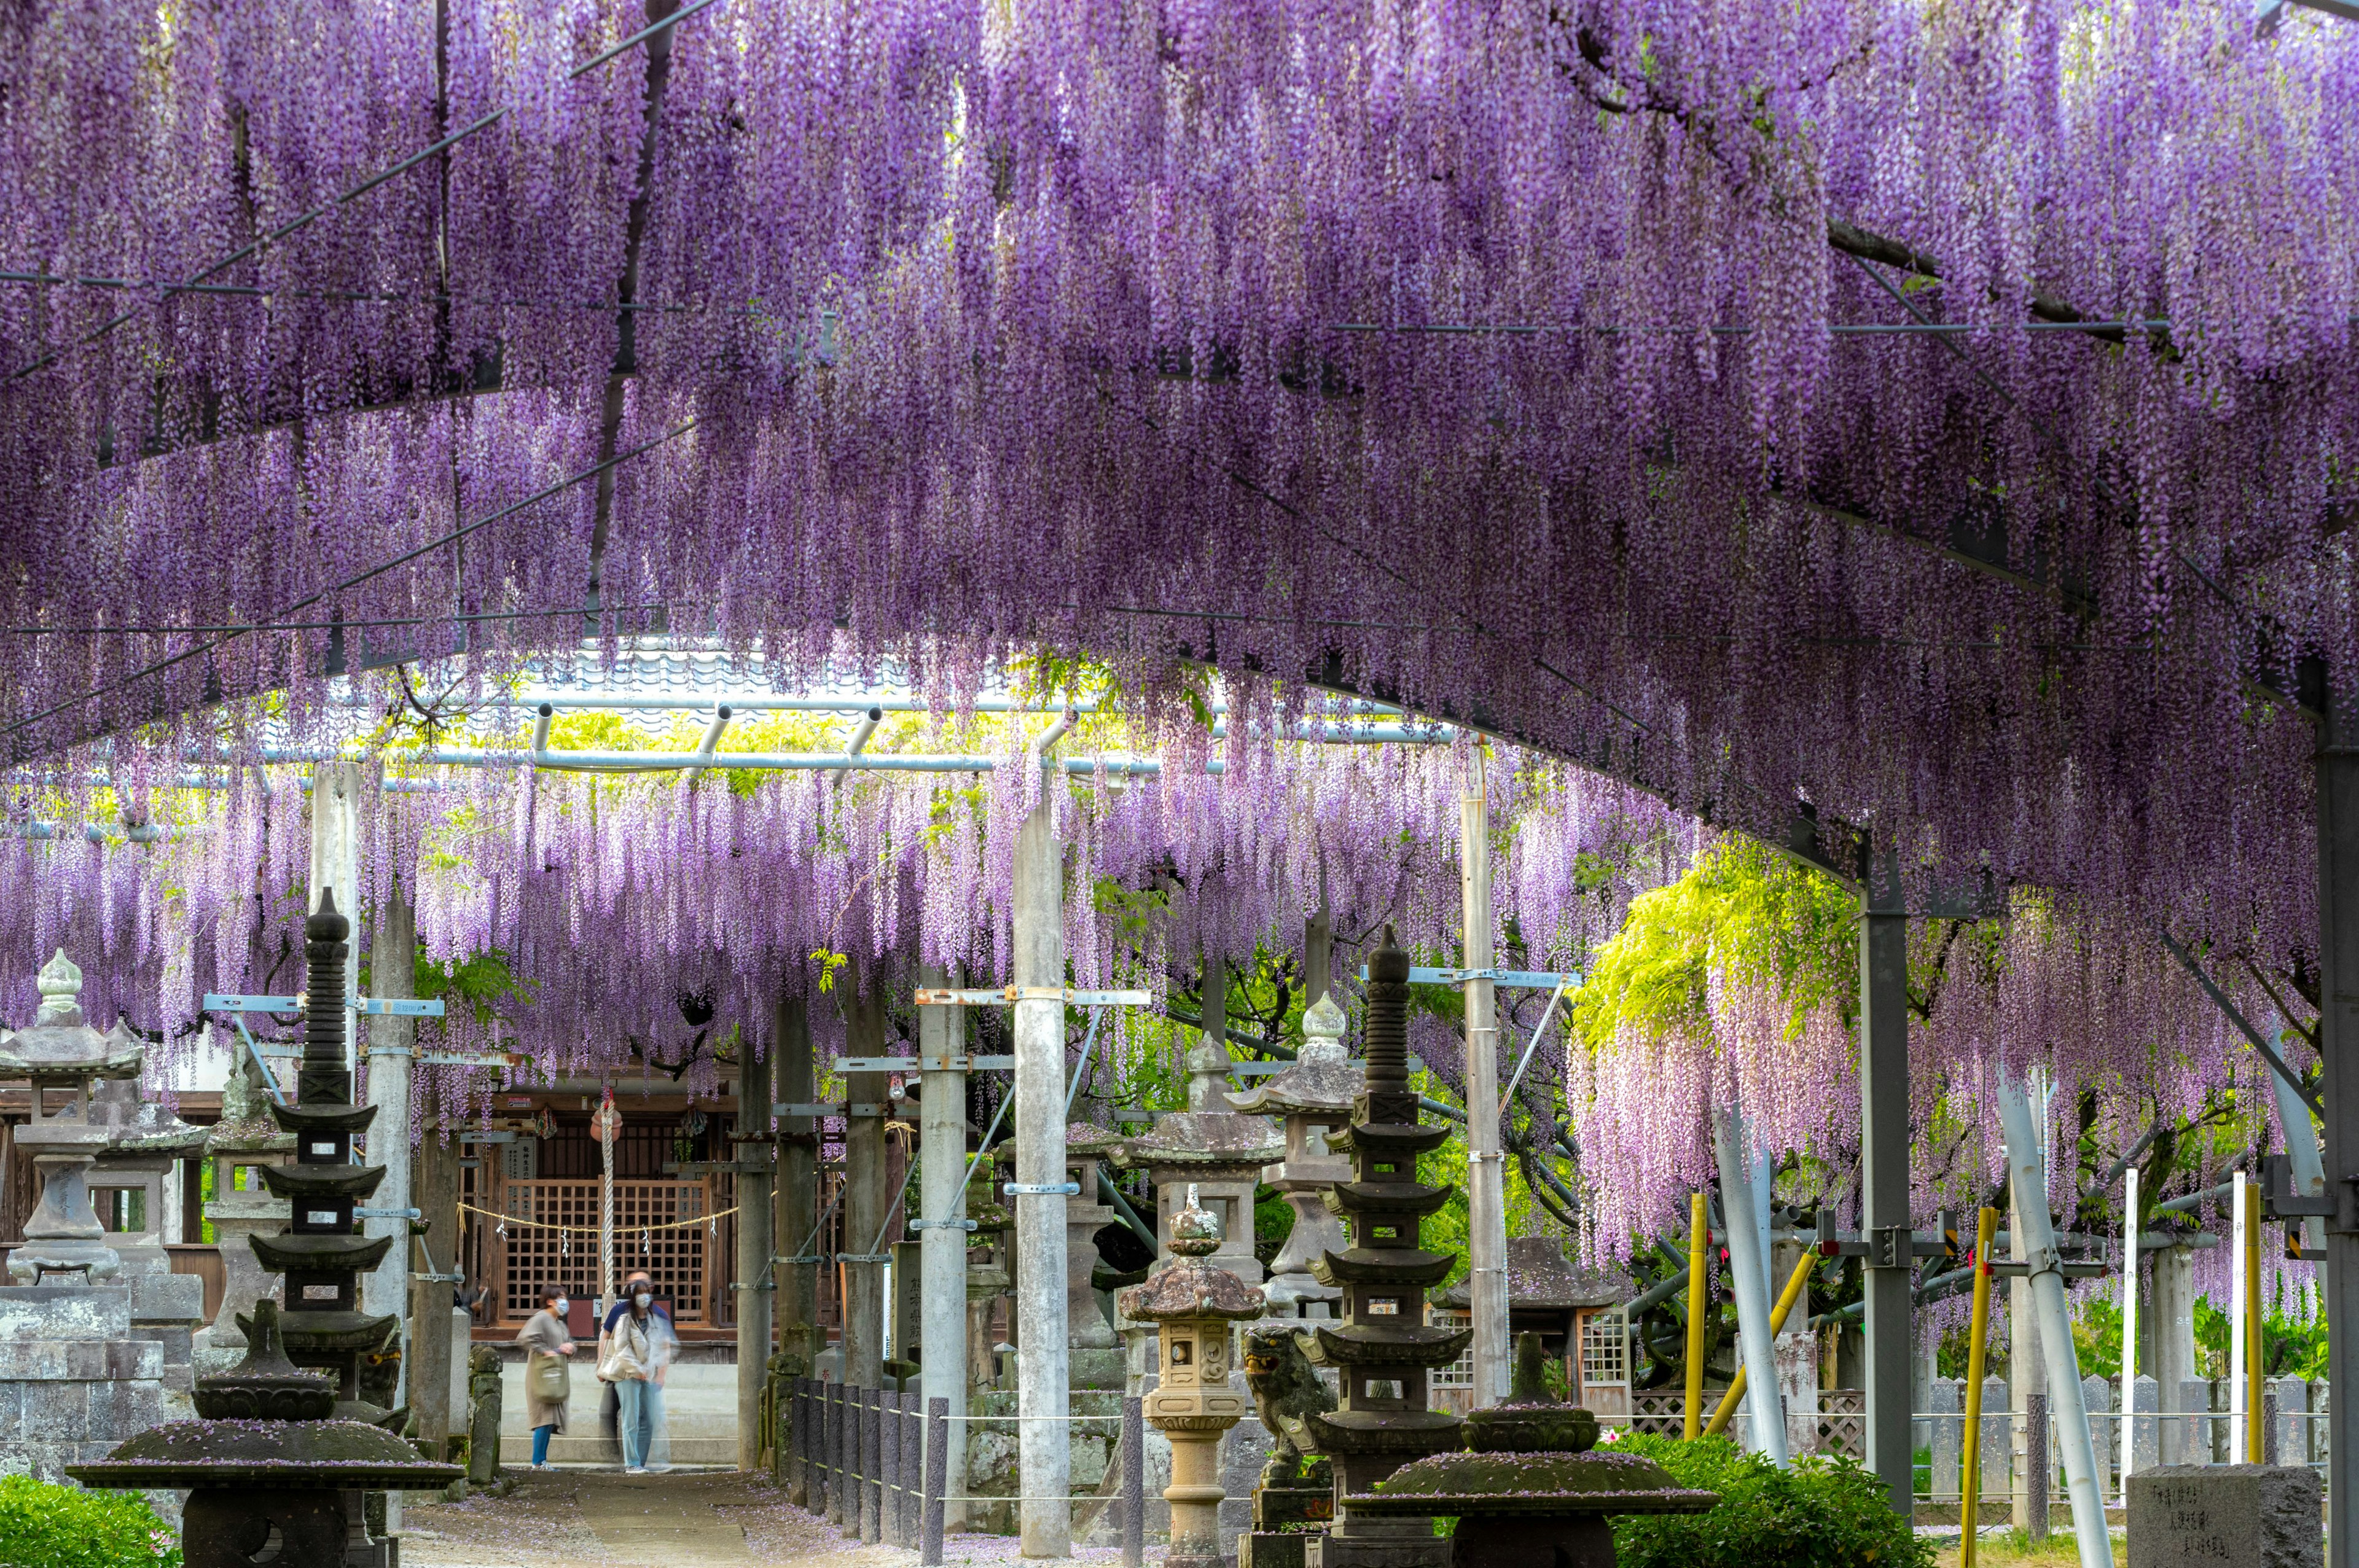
{"points": [[1539, 1280], [60, 1045], [1088, 1138], [135, 1125], [1203, 1138]]}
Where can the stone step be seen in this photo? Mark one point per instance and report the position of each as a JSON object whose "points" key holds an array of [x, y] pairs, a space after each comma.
{"points": [[596, 1450]]}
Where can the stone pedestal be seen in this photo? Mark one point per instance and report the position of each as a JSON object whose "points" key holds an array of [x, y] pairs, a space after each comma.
{"points": [[2235, 1516], [238, 1146], [1286, 1516], [73, 1379], [1095, 1356]]}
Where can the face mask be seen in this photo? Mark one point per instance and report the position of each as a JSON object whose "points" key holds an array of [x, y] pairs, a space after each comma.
{"points": [[559, 1306], [644, 1299]]}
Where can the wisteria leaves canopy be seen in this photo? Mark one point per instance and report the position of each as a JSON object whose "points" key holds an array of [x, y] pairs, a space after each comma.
{"points": [[1535, 358]]}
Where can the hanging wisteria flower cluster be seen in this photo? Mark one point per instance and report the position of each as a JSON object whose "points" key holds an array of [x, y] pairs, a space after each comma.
{"points": [[1936, 413]]}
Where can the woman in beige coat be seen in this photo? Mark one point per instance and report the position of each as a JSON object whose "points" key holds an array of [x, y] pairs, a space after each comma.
{"points": [[546, 1340]]}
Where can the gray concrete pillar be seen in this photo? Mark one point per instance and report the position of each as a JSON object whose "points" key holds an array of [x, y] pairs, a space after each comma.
{"points": [[2337, 794], [866, 1193], [2026, 1373], [436, 1173], [393, 972], [2170, 1316], [1486, 1220], [941, 1166], [1042, 1377], [795, 1206], [755, 1248], [1318, 955]]}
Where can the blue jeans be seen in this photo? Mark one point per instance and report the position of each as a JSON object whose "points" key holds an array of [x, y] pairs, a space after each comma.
{"points": [[637, 1420], [541, 1443]]}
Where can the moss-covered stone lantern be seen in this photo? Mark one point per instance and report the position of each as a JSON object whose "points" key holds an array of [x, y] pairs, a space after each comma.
{"points": [[1531, 1492], [1195, 1304]]}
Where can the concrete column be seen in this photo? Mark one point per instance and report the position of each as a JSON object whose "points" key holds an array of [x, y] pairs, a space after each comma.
{"points": [[754, 1248], [1042, 1377], [2026, 1375], [1884, 1129], [1487, 1229], [2170, 1312], [393, 972], [2338, 1042], [796, 1202], [1208, 1062], [865, 1192], [336, 864], [942, 1247], [429, 1350]]}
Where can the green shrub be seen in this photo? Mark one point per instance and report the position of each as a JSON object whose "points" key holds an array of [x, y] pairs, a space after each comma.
{"points": [[43, 1526], [1825, 1512]]}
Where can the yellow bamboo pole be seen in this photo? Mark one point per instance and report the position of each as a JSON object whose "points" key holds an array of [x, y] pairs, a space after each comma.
{"points": [[2254, 1432], [1699, 1238], [1970, 1486], [1801, 1276]]}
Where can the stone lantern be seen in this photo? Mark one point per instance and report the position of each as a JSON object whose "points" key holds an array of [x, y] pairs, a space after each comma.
{"points": [[1194, 1302], [1208, 1149], [61, 1050], [1313, 1094]]}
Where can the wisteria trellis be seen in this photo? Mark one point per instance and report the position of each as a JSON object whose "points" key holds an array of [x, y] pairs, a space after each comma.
{"points": [[960, 325]]}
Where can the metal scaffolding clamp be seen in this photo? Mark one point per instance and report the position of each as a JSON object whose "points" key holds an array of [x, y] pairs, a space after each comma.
{"points": [[1041, 1189], [942, 1225]]}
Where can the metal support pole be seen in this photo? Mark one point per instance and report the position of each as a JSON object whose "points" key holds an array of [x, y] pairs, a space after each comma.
{"points": [[938, 1475], [942, 1245], [2128, 1423], [1750, 1274], [1487, 1221], [1969, 1471], [1699, 1238], [755, 1250], [2301, 1152], [1884, 1208], [1043, 1367], [1134, 1482], [2027, 1174], [2338, 1041], [2027, 1372]]}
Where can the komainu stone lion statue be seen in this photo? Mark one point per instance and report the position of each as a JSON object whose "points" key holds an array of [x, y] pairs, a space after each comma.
{"points": [[1285, 1388]]}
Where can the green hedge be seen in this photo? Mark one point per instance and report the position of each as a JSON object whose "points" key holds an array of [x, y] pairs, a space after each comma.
{"points": [[1825, 1512], [42, 1526]]}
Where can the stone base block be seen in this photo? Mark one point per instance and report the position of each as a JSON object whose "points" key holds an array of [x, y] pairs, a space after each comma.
{"points": [[1273, 1549], [2236, 1516], [1377, 1552], [1096, 1368]]}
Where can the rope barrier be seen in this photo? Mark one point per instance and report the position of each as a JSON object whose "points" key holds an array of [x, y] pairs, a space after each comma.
{"points": [[592, 1229]]}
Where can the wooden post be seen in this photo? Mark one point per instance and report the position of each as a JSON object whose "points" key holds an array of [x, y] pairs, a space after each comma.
{"points": [[753, 1280]]}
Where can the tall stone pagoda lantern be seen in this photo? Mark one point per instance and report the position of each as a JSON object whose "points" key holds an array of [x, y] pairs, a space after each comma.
{"points": [[1194, 1302], [1383, 1350], [1313, 1094], [321, 1251], [61, 1051], [287, 1464]]}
